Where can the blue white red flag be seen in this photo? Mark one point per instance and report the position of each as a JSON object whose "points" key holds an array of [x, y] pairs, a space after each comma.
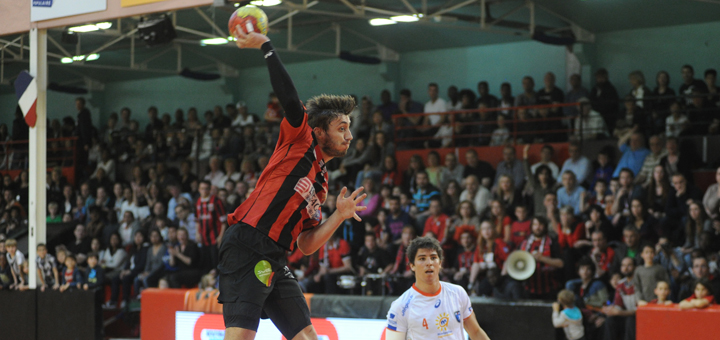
{"points": [[26, 92]]}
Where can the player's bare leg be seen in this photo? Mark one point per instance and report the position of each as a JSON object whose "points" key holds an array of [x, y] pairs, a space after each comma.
{"points": [[237, 333], [308, 333]]}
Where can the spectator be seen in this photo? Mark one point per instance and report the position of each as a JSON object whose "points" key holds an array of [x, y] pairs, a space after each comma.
{"points": [[648, 275], [624, 196], [467, 219], [154, 267], [185, 256], [597, 221], [7, 278], [423, 192], [434, 169], [416, 165], [577, 163], [541, 181], [657, 192], [574, 95], [243, 118], [590, 125], [630, 248], [113, 257], [511, 166], [407, 106], [72, 276], [474, 192], [702, 297], [690, 84], [663, 95], [484, 95], [435, 105], [506, 99], [460, 270], [186, 219], [390, 173], [675, 161], [551, 94], [177, 197], [590, 292], [490, 252], [373, 259], [452, 170], [711, 200], [437, 223], [570, 193], [547, 152], [662, 292], [134, 266], [215, 176], [657, 152], [520, 228], [481, 169], [543, 283], [94, 275], [639, 91], [501, 135], [401, 267], [15, 259], [54, 215], [570, 319], [697, 223], [677, 123], [604, 98], [81, 243], [633, 155], [528, 97], [647, 225], [47, 268], [212, 222], [396, 221], [620, 322], [677, 207], [387, 106]]}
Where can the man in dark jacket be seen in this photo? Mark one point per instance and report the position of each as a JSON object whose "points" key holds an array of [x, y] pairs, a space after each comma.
{"points": [[604, 98]]}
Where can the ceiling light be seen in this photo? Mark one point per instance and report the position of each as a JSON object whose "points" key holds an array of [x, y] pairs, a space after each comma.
{"points": [[66, 60], [213, 41], [237, 4], [70, 60], [78, 58], [92, 57], [405, 18], [266, 3], [91, 27], [382, 22]]}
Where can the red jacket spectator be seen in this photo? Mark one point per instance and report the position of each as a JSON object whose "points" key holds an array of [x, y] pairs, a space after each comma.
{"points": [[437, 225]]}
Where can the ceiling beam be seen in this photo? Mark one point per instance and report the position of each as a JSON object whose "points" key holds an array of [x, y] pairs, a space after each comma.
{"points": [[292, 13], [114, 41], [409, 6], [351, 6], [506, 14], [195, 32], [62, 49], [452, 8], [211, 22], [581, 34]]}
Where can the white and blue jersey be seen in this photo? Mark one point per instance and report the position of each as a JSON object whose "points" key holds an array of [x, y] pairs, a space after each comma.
{"points": [[431, 316]]}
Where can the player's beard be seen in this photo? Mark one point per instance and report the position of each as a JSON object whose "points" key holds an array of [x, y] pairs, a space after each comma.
{"points": [[334, 149]]}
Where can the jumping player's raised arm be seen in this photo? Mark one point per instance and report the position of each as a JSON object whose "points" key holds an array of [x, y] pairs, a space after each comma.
{"points": [[279, 78]]}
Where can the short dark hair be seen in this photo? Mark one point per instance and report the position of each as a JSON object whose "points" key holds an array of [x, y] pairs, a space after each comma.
{"points": [[93, 254], [433, 85], [424, 242], [153, 109], [687, 66], [706, 283], [587, 262], [601, 72], [325, 108], [710, 71], [548, 147], [395, 198], [204, 182], [628, 170], [406, 93], [80, 99]]}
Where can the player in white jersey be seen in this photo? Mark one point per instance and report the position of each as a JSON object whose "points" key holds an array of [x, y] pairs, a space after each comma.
{"points": [[431, 309]]}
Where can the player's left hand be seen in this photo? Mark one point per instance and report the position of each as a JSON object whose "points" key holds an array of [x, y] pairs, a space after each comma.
{"points": [[347, 206], [249, 40]]}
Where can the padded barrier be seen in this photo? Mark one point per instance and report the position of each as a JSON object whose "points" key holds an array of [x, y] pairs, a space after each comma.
{"points": [[669, 322]]}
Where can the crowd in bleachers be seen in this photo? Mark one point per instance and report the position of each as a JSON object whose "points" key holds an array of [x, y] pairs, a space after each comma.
{"points": [[608, 226]]}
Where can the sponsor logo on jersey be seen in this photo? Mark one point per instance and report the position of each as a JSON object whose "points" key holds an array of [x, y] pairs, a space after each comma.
{"points": [[442, 321], [407, 304], [392, 315], [437, 304], [457, 315]]}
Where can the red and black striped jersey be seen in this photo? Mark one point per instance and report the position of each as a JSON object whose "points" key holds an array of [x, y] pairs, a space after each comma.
{"points": [[210, 214], [290, 191]]}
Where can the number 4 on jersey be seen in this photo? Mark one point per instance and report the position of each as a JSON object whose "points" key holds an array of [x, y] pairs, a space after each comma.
{"points": [[425, 324]]}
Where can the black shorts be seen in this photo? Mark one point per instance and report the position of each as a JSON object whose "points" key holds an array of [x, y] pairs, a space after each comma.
{"points": [[255, 283]]}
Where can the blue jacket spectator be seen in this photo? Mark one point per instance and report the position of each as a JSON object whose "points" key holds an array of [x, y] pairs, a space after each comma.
{"points": [[577, 163], [570, 192], [634, 154]]}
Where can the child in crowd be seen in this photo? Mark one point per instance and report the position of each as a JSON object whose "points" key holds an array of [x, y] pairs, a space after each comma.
{"points": [[47, 269], [603, 170], [61, 254], [570, 318], [72, 277], [662, 291], [15, 258], [520, 228], [702, 298], [94, 275], [648, 275], [7, 279], [163, 283], [24, 272]]}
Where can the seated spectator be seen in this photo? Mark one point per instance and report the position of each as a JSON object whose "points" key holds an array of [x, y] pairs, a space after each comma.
{"points": [[416, 165], [590, 125], [465, 220], [7, 278], [676, 162], [437, 223], [647, 225], [509, 194], [113, 257], [390, 174], [47, 268], [134, 266], [677, 207], [501, 134], [474, 192], [547, 153], [630, 248], [598, 221], [373, 259], [543, 283], [570, 319], [481, 169], [451, 198], [701, 298], [620, 322], [648, 275], [524, 129], [697, 222], [711, 200], [548, 129], [184, 218], [590, 292], [602, 255], [186, 257], [657, 152], [72, 276], [401, 268], [54, 215], [570, 193], [541, 181], [460, 270], [577, 163], [657, 192], [603, 169], [633, 154], [519, 229], [497, 214], [373, 201], [627, 192], [490, 253], [502, 287], [396, 221], [700, 270], [94, 275], [510, 166], [434, 169], [154, 267], [128, 227], [422, 194], [177, 197], [677, 123], [662, 293], [215, 175]]}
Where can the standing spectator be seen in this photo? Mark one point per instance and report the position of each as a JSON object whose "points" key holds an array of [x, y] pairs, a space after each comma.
{"points": [[437, 223], [604, 98], [185, 256], [551, 94], [711, 200], [72, 276], [212, 222], [511, 166], [481, 169], [570, 193], [47, 269], [134, 266], [634, 154], [485, 97], [528, 97], [474, 192], [570, 319], [547, 152], [620, 322], [154, 266], [590, 292], [94, 275], [577, 163], [15, 259], [396, 221], [434, 105], [648, 275], [543, 284], [388, 107], [690, 84], [590, 124], [574, 95]]}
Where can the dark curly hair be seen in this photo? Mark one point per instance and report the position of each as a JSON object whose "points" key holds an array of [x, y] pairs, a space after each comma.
{"points": [[325, 108], [424, 242]]}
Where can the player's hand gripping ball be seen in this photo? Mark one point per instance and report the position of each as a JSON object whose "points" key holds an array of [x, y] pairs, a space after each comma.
{"points": [[250, 19]]}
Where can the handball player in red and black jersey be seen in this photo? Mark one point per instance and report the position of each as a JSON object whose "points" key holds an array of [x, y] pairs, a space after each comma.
{"points": [[284, 210]]}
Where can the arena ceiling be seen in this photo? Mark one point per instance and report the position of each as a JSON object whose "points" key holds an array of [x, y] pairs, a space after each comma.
{"points": [[310, 30]]}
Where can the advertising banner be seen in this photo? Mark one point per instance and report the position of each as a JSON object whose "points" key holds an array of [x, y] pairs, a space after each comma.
{"points": [[53, 9], [128, 3]]}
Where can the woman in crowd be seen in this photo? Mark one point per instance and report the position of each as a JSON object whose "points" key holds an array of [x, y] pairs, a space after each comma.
{"points": [[131, 269], [598, 221], [390, 173], [711, 200], [538, 185], [506, 192], [416, 165], [697, 222], [657, 192], [154, 265], [373, 201], [466, 219], [113, 257], [647, 225], [434, 169], [450, 197], [491, 252], [500, 219]]}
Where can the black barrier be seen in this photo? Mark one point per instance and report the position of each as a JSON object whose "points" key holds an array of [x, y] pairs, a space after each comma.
{"points": [[50, 315], [502, 320]]}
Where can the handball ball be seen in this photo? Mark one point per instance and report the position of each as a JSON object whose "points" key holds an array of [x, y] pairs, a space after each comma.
{"points": [[251, 19]]}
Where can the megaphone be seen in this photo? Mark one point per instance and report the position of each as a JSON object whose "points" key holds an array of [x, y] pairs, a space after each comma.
{"points": [[520, 265]]}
